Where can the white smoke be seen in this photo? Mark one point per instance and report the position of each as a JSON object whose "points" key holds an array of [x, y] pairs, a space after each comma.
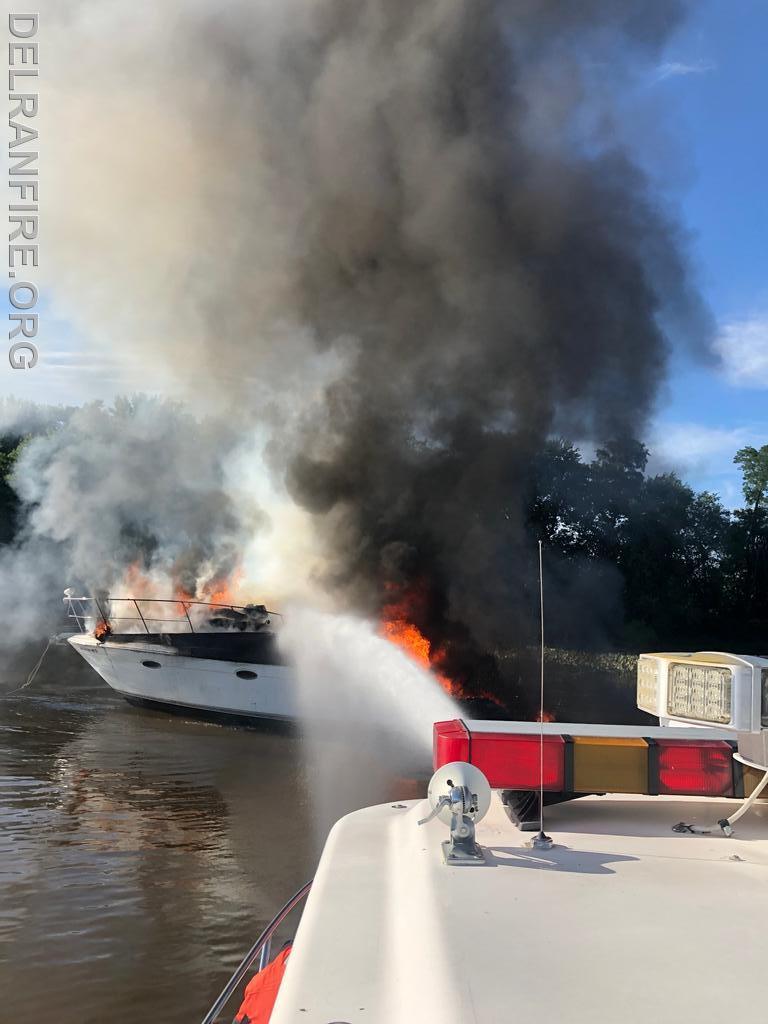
{"points": [[144, 492]]}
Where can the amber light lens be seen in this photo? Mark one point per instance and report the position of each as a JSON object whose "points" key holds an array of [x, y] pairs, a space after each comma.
{"points": [[609, 765], [704, 768]]}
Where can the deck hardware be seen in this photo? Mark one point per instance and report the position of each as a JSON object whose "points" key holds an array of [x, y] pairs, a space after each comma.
{"points": [[250, 957], [726, 824], [542, 842], [460, 796]]}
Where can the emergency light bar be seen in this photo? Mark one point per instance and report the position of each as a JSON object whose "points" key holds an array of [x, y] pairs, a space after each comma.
{"points": [[708, 688], [580, 758]]}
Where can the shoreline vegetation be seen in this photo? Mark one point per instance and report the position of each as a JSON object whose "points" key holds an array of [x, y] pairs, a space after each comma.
{"points": [[580, 686]]}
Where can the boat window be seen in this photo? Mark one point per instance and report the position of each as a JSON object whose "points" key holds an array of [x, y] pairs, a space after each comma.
{"points": [[245, 673], [151, 664]]}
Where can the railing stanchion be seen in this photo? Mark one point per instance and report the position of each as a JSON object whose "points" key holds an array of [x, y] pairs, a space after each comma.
{"points": [[266, 949], [73, 614], [186, 612], [104, 618], [250, 957], [136, 605]]}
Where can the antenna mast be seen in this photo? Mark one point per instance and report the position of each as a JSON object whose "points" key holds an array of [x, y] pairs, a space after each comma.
{"points": [[541, 841]]}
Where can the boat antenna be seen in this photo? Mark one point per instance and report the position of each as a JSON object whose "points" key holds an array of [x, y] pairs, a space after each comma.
{"points": [[542, 841]]}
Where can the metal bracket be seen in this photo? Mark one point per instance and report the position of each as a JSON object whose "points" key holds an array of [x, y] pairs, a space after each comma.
{"points": [[461, 848]]}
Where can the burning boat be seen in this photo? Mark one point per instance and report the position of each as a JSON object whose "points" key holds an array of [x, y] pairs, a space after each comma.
{"points": [[221, 661]]}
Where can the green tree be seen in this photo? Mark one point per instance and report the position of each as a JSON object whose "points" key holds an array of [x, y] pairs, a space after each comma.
{"points": [[749, 541], [754, 469], [663, 543], [10, 447]]}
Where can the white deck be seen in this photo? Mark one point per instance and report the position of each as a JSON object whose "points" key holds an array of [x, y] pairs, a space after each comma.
{"points": [[623, 920]]}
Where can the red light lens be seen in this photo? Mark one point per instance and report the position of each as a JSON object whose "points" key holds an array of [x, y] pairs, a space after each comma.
{"points": [[703, 768], [514, 762], [507, 760], [450, 742]]}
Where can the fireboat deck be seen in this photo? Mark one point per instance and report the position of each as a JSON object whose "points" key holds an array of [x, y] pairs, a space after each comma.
{"points": [[622, 920]]}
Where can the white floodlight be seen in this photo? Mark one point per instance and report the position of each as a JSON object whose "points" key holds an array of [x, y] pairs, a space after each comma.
{"points": [[709, 688]]}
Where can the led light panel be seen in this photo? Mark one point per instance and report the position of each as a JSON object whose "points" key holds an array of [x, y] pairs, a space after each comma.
{"points": [[701, 692]]}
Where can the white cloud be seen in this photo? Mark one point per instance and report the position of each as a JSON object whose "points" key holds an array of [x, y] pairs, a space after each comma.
{"points": [[703, 456], [743, 347], [693, 445], [675, 68]]}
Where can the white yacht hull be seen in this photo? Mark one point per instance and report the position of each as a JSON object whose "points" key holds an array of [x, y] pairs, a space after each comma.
{"points": [[150, 674]]}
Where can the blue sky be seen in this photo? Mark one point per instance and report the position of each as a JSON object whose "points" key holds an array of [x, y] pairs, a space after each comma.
{"points": [[709, 152], [714, 88]]}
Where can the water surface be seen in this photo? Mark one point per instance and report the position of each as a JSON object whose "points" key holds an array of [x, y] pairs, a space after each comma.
{"points": [[141, 853]]}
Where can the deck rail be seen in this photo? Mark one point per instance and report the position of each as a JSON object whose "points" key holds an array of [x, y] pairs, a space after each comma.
{"points": [[261, 948], [81, 609]]}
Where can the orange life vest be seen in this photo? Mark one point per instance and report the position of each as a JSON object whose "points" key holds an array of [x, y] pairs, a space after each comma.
{"points": [[261, 992]]}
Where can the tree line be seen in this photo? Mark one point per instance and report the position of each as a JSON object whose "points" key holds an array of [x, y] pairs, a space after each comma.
{"points": [[692, 574]]}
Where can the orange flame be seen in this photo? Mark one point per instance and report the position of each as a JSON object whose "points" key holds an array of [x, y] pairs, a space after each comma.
{"points": [[397, 626], [400, 631], [102, 630], [407, 636], [134, 581], [216, 591], [221, 591], [140, 585], [544, 716]]}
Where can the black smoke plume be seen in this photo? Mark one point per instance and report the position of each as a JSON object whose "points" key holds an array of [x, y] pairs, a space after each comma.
{"points": [[500, 271], [409, 236]]}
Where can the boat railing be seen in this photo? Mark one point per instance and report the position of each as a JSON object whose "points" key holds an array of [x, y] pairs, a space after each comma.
{"points": [[261, 949], [102, 610]]}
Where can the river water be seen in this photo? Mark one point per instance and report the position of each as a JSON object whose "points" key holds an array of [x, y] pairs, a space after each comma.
{"points": [[140, 853]]}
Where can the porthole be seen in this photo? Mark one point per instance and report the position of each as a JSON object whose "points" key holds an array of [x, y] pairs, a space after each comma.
{"points": [[245, 673], [151, 664]]}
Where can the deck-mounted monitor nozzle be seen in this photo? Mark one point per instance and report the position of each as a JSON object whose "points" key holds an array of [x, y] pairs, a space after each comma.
{"points": [[460, 797]]}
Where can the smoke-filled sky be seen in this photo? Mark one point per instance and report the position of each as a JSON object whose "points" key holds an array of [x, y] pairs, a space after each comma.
{"points": [[385, 248], [692, 111]]}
